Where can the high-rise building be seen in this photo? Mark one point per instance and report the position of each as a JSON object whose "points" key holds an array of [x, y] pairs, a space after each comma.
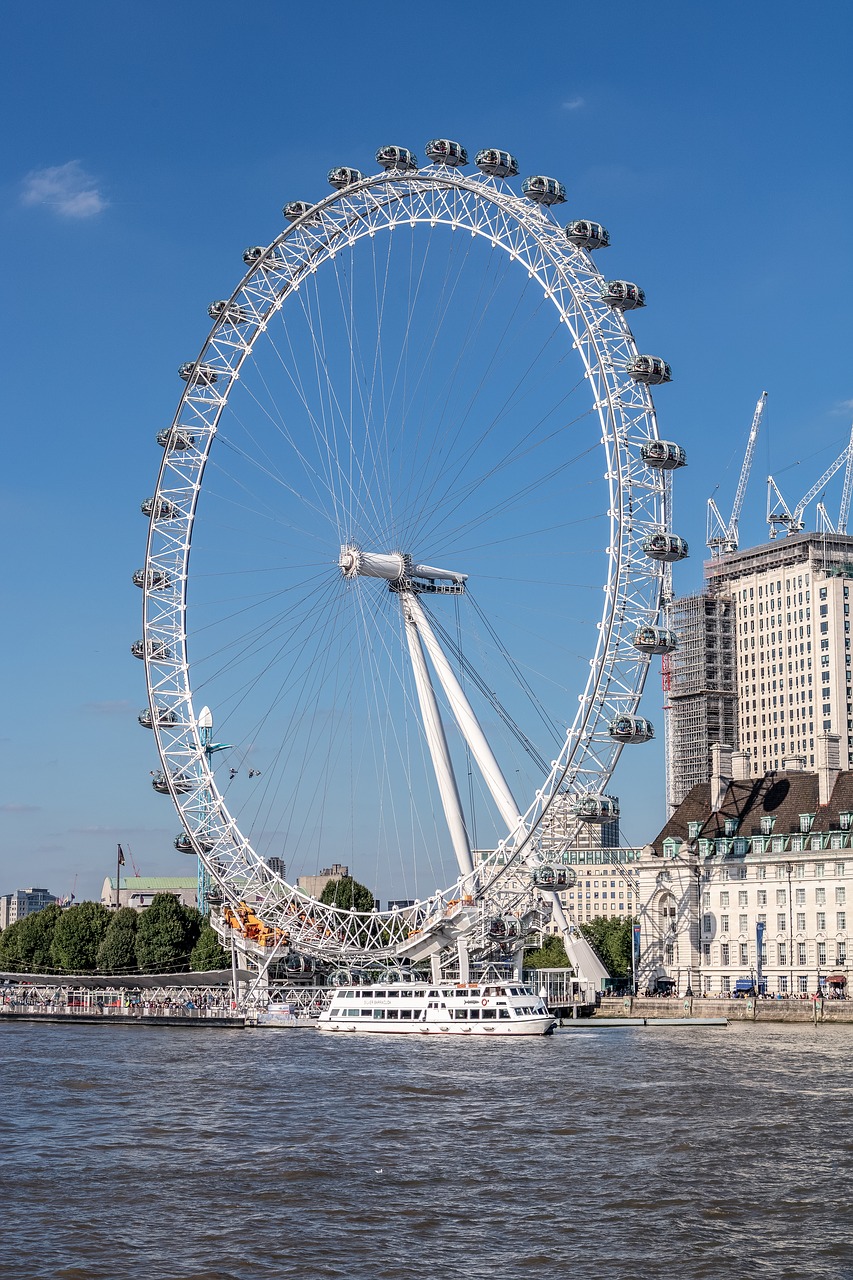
{"points": [[23, 902], [784, 609]]}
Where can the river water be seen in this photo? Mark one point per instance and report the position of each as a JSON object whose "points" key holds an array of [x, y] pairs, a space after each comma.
{"points": [[150, 1153]]}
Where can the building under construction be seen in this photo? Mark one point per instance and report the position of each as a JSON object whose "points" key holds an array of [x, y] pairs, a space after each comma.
{"points": [[700, 685]]}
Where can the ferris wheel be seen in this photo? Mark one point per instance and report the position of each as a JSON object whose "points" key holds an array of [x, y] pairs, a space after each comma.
{"points": [[417, 465]]}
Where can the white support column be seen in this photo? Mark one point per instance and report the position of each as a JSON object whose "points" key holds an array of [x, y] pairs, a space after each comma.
{"points": [[436, 741], [468, 723]]}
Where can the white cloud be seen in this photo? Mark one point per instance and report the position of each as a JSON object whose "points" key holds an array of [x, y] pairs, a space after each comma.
{"points": [[573, 104], [109, 708], [19, 808], [844, 406], [66, 188]]}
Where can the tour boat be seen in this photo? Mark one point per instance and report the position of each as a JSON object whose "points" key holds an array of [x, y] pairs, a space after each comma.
{"points": [[421, 1008]]}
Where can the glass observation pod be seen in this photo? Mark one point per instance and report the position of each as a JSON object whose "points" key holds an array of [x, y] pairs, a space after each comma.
{"points": [[160, 509], [296, 209], [649, 369], [663, 455], [165, 715], [556, 878], [587, 235], [654, 640], [498, 164], [629, 729], [504, 929], [343, 176], [183, 844], [228, 311], [256, 256], [397, 158], [173, 440], [544, 190], [622, 295], [181, 783], [665, 546], [593, 808], [214, 897], [154, 580], [445, 151], [203, 375], [157, 650]]}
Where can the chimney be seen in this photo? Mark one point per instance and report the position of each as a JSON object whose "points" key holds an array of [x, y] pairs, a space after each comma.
{"points": [[740, 766], [828, 764], [721, 773], [794, 764]]}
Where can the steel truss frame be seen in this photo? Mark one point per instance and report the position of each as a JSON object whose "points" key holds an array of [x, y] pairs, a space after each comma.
{"points": [[636, 586]]}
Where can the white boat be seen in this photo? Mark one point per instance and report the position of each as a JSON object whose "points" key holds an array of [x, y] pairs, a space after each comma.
{"points": [[420, 1008]]}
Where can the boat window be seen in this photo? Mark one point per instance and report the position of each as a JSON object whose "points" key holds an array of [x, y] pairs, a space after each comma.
{"points": [[406, 1013], [380, 995], [504, 1013], [434, 993], [379, 1013], [352, 1013], [475, 1013], [490, 1014], [389, 994], [366, 1013], [459, 1013]]}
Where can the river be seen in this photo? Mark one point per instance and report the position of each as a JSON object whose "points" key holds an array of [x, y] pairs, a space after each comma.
{"points": [[152, 1153]]}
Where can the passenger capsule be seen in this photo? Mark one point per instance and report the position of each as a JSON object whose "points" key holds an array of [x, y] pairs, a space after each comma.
{"points": [[654, 640], [554, 878], [544, 190], [622, 295], [649, 369], [344, 177], [229, 312], [214, 897], [630, 729], [587, 235], [165, 716], [396, 158], [158, 651], [594, 808], [443, 151], [296, 209], [257, 256], [504, 929], [184, 844], [160, 509], [180, 783], [173, 439], [153, 580], [498, 164], [200, 375], [663, 455], [665, 546]]}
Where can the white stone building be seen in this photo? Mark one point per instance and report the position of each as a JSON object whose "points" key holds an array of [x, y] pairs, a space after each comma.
{"points": [[23, 902]]}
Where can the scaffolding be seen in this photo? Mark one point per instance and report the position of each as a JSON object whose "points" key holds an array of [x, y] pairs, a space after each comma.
{"points": [[701, 686]]}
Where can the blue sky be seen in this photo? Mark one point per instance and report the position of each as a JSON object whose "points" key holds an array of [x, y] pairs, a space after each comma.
{"points": [[153, 143]]}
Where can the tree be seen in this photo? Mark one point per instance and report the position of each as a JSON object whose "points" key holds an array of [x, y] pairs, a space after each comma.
{"points": [[25, 945], [79, 933], [207, 953], [117, 952], [348, 894], [164, 936], [551, 954], [612, 940]]}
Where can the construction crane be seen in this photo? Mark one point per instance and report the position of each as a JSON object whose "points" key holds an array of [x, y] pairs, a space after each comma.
{"points": [[722, 536], [780, 516]]}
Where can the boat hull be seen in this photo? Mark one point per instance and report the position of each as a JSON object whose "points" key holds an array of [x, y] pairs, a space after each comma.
{"points": [[526, 1027]]}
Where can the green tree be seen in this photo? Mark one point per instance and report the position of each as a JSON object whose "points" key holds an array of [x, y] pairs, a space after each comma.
{"points": [[10, 948], [611, 939], [348, 894], [35, 938], [78, 934], [164, 936], [117, 952], [551, 954], [207, 953]]}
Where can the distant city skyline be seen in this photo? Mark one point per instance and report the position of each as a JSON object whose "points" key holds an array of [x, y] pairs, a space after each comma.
{"points": [[709, 143]]}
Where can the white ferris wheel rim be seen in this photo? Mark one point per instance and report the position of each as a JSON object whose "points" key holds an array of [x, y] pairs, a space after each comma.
{"points": [[638, 505]]}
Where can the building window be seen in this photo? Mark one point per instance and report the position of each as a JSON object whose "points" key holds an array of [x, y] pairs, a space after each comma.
{"points": [[742, 924], [819, 870], [781, 897], [800, 897], [820, 897], [761, 897], [783, 953], [767, 824], [839, 871], [801, 953], [669, 953], [803, 984], [821, 953], [806, 820], [724, 954], [726, 984], [841, 953], [744, 953], [743, 897], [782, 984], [724, 924], [724, 898], [801, 922], [693, 829]]}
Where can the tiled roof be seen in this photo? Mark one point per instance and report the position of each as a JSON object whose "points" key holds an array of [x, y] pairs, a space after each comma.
{"points": [[783, 796]]}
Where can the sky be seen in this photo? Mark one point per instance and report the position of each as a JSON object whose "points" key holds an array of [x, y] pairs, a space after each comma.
{"points": [[152, 143]]}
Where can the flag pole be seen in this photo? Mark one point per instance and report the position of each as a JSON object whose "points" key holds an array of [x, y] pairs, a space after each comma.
{"points": [[119, 864]]}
